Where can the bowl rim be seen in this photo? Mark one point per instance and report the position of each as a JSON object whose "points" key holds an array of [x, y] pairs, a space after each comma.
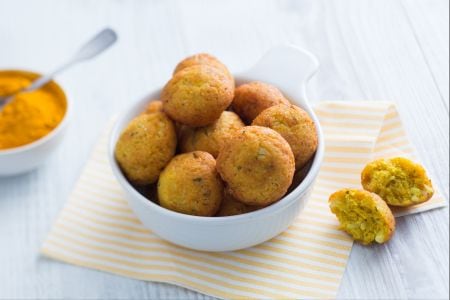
{"points": [[51, 134], [286, 200]]}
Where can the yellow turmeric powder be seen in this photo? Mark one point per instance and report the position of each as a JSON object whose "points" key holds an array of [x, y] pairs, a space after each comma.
{"points": [[31, 115]]}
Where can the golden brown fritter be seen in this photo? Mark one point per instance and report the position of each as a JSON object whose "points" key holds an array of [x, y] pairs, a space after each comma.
{"points": [[196, 96], [399, 181], [252, 98], [257, 164], [231, 207], [153, 106], [363, 215], [212, 137], [202, 59], [145, 147], [191, 185], [296, 126]]}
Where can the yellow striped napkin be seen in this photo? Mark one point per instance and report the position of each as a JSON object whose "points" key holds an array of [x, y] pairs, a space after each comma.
{"points": [[97, 229]]}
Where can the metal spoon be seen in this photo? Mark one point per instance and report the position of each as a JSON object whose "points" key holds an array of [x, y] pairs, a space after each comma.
{"points": [[99, 43]]}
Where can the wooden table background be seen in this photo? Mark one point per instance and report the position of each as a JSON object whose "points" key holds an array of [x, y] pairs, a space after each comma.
{"points": [[369, 50]]}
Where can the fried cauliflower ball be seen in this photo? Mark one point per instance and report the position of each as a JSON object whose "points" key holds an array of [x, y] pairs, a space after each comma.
{"points": [[363, 215], [191, 185], [231, 207], [202, 59], [399, 181], [212, 137], [145, 147], [252, 98], [153, 106], [257, 164], [295, 125], [196, 96]]}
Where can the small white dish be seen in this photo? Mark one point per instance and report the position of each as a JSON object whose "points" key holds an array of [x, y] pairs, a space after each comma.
{"points": [[28, 157], [288, 68]]}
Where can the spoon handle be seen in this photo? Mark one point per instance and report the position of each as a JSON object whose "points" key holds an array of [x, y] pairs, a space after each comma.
{"points": [[287, 67], [43, 80], [99, 43]]}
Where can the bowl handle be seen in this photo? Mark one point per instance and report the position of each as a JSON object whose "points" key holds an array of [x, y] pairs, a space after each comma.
{"points": [[287, 67]]}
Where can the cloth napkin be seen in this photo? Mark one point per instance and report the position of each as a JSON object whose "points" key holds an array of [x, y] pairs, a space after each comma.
{"points": [[98, 230]]}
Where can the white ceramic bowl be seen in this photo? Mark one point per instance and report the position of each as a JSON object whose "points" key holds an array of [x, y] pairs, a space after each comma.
{"points": [[289, 69], [25, 158]]}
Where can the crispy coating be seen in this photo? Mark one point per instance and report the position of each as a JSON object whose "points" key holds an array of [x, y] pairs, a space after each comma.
{"points": [[196, 96], [212, 137], [257, 164], [153, 106], [363, 215], [202, 59], [145, 147], [191, 185], [399, 181], [231, 207], [252, 98], [296, 126]]}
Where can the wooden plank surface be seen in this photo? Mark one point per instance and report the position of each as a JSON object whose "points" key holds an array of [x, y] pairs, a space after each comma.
{"points": [[429, 21], [371, 50]]}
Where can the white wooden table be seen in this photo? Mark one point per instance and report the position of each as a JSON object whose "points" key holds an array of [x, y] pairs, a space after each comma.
{"points": [[374, 50]]}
